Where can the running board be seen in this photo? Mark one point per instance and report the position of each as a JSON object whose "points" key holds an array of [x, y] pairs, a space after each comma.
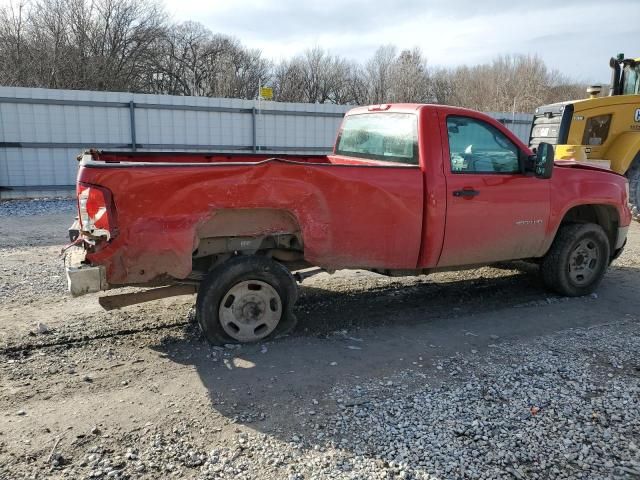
{"points": [[113, 302]]}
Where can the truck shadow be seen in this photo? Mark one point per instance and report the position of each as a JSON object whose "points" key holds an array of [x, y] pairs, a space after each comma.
{"points": [[344, 340], [320, 311]]}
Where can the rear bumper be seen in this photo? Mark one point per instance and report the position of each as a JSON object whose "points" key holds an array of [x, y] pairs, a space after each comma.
{"points": [[82, 278]]}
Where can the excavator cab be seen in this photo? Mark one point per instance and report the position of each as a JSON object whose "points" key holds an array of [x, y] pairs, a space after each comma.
{"points": [[625, 76]]}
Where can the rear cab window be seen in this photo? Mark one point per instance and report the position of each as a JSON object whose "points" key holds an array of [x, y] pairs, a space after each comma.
{"points": [[388, 137]]}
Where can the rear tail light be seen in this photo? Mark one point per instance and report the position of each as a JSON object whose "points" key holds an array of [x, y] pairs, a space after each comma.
{"points": [[96, 211]]}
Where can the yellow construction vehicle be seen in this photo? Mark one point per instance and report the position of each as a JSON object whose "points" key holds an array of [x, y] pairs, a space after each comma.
{"points": [[600, 130]]}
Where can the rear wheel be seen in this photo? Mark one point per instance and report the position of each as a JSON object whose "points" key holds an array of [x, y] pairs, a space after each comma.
{"points": [[245, 300], [577, 259], [633, 175]]}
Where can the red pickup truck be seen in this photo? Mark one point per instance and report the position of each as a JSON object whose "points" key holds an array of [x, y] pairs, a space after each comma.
{"points": [[409, 189]]}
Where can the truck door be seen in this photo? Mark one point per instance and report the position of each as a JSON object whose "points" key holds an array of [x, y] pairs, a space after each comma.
{"points": [[494, 211]]}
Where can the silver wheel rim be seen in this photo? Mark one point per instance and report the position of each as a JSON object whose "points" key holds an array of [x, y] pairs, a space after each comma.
{"points": [[584, 262], [250, 310]]}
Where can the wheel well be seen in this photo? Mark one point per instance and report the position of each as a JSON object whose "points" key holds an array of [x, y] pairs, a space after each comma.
{"points": [[604, 215], [269, 232], [278, 243], [286, 248]]}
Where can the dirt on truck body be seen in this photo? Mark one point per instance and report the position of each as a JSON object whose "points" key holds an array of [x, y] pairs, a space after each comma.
{"points": [[409, 189]]}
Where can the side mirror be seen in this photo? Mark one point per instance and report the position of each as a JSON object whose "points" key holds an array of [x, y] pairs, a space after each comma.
{"points": [[543, 162]]}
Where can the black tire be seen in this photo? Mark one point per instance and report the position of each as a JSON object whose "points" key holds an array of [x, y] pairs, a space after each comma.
{"points": [[568, 248], [633, 175], [238, 271]]}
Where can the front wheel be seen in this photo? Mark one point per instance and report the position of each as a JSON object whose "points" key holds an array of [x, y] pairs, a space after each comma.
{"points": [[577, 259], [246, 299]]}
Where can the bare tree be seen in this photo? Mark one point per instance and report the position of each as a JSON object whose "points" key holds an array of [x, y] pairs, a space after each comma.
{"points": [[101, 44], [378, 71], [129, 45], [322, 75], [409, 78], [520, 82], [317, 77], [14, 67], [190, 60], [442, 86], [347, 83], [288, 78], [561, 87], [250, 71], [357, 85]]}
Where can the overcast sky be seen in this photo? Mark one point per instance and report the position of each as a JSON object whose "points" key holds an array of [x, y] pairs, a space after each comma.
{"points": [[574, 36]]}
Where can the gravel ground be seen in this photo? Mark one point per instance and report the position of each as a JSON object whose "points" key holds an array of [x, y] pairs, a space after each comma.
{"points": [[24, 208], [20, 285], [28, 274], [478, 374], [568, 408]]}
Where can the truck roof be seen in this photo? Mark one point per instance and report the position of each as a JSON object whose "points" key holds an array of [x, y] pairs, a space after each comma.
{"points": [[409, 108]]}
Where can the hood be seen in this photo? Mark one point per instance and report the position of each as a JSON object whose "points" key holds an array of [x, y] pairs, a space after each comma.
{"points": [[583, 166]]}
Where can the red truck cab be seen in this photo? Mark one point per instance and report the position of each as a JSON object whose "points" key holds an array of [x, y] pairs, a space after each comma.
{"points": [[409, 189]]}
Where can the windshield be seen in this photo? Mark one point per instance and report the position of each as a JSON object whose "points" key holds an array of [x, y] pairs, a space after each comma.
{"points": [[391, 137], [631, 80]]}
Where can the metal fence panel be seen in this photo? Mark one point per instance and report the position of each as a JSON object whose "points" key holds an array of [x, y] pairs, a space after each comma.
{"points": [[42, 130], [518, 123]]}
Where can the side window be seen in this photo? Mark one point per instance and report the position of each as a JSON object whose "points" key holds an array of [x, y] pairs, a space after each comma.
{"points": [[597, 130], [478, 147]]}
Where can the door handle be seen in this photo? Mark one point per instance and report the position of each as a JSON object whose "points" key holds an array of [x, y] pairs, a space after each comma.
{"points": [[465, 193]]}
